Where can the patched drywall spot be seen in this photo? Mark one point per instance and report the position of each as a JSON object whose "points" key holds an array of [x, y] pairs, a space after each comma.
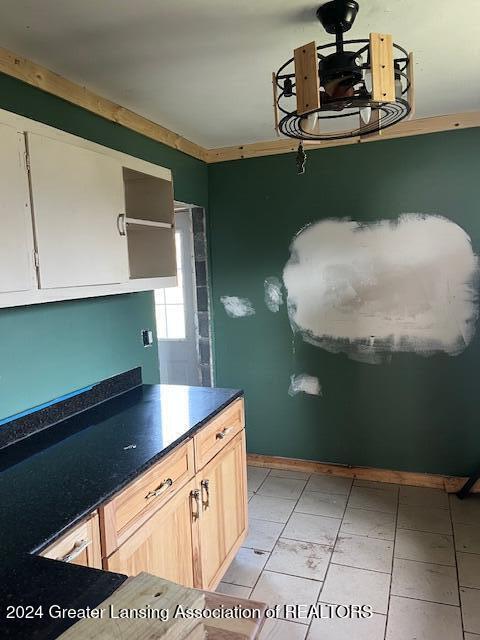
{"points": [[237, 307], [303, 383], [408, 285], [273, 294]]}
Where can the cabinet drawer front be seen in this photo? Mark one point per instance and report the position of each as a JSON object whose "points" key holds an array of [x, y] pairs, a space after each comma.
{"points": [[163, 545], [134, 504], [80, 546], [218, 432]]}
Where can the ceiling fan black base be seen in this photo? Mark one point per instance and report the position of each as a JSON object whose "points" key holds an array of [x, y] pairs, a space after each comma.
{"points": [[338, 16]]}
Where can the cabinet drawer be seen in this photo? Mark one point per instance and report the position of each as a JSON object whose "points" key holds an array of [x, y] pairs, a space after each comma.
{"points": [[80, 546], [218, 432], [163, 545], [133, 505]]}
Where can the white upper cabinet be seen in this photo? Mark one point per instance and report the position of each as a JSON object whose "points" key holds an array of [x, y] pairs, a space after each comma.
{"points": [[78, 206], [78, 220], [17, 267]]}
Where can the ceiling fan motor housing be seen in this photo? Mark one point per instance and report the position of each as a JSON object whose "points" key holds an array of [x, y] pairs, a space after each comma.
{"points": [[337, 16], [340, 66]]}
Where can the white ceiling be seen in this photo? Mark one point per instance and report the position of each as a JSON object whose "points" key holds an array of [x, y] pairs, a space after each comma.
{"points": [[203, 67]]}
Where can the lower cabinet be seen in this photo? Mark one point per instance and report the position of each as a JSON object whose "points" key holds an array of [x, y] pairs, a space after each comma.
{"points": [[163, 545], [192, 537], [183, 519], [81, 545], [223, 518]]}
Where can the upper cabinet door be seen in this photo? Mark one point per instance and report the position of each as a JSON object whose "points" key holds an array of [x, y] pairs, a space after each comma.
{"points": [[17, 267], [77, 198]]}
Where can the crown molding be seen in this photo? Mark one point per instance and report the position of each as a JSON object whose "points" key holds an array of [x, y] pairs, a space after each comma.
{"points": [[34, 74], [404, 129], [38, 76]]}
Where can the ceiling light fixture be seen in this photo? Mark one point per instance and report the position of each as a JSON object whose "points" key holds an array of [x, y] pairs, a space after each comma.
{"points": [[366, 87]]}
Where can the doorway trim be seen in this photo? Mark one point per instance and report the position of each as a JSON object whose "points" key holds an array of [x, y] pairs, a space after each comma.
{"points": [[203, 312]]}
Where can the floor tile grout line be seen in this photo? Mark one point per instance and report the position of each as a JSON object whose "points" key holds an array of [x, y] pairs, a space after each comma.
{"points": [[392, 565], [276, 542], [259, 486], [350, 566], [329, 564], [438, 533], [438, 564], [443, 604], [456, 568], [278, 537], [268, 552]]}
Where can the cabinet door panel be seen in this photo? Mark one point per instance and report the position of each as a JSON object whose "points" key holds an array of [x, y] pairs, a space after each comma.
{"points": [[223, 520], [17, 270], [163, 545], [77, 197]]}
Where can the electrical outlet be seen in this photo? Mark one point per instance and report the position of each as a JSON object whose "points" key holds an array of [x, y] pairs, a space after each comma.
{"points": [[147, 337]]}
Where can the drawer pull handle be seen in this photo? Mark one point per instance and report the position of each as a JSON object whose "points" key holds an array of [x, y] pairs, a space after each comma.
{"points": [[223, 433], [205, 484], [78, 548], [195, 494], [166, 484]]}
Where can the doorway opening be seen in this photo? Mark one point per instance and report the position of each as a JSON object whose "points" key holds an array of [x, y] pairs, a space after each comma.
{"points": [[183, 312]]}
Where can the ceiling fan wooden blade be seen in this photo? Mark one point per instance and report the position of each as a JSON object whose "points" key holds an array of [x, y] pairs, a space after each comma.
{"points": [[381, 60], [307, 83]]}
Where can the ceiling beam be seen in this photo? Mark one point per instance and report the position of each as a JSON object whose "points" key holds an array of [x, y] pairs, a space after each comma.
{"points": [[42, 78], [404, 129]]}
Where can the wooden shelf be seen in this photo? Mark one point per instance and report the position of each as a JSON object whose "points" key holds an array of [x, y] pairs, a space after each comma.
{"points": [[149, 223], [147, 197]]}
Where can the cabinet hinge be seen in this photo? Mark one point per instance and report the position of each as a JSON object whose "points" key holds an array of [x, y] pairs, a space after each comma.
{"points": [[27, 162], [36, 259]]}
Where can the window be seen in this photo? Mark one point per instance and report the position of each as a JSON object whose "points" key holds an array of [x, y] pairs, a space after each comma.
{"points": [[170, 304]]}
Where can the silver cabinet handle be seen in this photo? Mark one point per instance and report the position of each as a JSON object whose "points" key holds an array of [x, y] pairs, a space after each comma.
{"points": [[78, 548], [223, 433], [162, 487], [122, 224], [205, 484], [195, 495]]}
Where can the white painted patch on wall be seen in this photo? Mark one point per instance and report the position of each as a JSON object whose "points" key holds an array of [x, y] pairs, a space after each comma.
{"points": [[237, 307], [369, 290], [273, 294], [303, 383]]}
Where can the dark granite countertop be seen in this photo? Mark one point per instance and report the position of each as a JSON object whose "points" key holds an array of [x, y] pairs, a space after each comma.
{"points": [[55, 477]]}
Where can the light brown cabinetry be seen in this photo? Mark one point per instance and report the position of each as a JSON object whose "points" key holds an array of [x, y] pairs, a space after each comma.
{"points": [[223, 519], [163, 545], [81, 545], [185, 518], [133, 506], [217, 433]]}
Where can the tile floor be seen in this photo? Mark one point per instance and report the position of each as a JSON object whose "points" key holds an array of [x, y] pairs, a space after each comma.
{"points": [[411, 553]]}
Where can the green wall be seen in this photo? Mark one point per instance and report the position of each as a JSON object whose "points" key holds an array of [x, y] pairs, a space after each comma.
{"points": [[416, 413], [51, 349]]}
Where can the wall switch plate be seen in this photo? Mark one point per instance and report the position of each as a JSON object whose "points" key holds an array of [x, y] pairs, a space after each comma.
{"points": [[147, 337]]}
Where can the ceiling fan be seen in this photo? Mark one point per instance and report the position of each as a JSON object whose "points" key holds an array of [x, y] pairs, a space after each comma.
{"points": [[366, 85]]}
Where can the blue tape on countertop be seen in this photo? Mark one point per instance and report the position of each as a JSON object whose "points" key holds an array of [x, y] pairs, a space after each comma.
{"points": [[46, 404]]}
